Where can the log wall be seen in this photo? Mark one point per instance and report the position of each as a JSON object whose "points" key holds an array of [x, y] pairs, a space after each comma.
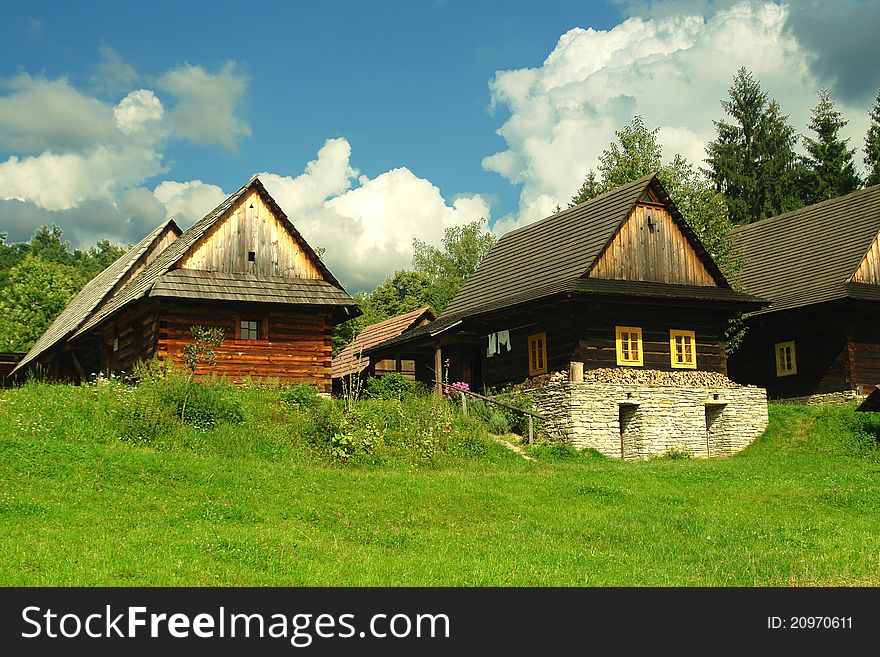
{"points": [[295, 345]]}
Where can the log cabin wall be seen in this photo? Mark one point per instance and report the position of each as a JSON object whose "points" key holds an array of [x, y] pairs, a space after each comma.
{"points": [[586, 333], [251, 228], [864, 348], [821, 353], [128, 338], [655, 251], [294, 346]]}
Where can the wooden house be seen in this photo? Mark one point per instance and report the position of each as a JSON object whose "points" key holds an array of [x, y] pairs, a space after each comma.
{"points": [[351, 361], [243, 267], [618, 281], [820, 267]]}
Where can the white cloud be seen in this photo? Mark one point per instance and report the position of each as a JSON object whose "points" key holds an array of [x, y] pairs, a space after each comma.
{"points": [[188, 202], [113, 73], [137, 111], [368, 230], [673, 69], [207, 104], [38, 114]]}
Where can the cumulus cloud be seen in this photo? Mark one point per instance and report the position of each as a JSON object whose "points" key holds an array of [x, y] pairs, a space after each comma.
{"points": [[187, 202], [367, 229], [137, 111], [671, 67], [37, 114], [207, 104]]}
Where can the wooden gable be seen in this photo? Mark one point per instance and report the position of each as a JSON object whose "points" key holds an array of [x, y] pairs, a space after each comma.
{"points": [[251, 239], [650, 246], [869, 268]]}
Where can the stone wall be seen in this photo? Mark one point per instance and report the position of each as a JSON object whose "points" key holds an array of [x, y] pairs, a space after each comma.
{"points": [[840, 397], [700, 421]]}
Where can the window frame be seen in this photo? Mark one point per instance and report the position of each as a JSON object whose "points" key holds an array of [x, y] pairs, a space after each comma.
{"points": [[618, 346], [539, 364], [673, 349], [780, 364]]}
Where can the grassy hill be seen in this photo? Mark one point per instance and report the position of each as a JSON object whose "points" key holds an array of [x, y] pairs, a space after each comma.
{"points": [[97, 489]]}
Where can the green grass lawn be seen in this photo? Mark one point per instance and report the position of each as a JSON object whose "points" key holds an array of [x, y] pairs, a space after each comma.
{"points": [[253, 504]]}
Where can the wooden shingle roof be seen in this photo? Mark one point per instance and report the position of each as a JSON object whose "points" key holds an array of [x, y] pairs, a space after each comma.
{"points": [[94, 293], [348, 361], [221, 286], [166, 261], [809, 256]]}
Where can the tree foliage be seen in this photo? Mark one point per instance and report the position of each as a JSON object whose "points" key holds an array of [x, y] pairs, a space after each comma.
{"points": [[830, 170], [752, 161], [39, 277], [872, 145], [35, 291]]}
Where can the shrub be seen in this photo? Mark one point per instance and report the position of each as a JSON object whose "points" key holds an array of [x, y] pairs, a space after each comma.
{"points": [[302, 395], [389, 386], [498, 422]]}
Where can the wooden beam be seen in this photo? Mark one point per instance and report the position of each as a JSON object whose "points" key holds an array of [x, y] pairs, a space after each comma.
{"points": [[438, 368], [76, 364]]}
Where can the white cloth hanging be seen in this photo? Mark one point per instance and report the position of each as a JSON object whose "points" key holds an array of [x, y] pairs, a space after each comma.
{"points": [[493, 345], [504, 340]]}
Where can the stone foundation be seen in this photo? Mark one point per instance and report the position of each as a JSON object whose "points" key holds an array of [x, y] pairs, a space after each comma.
{"points": [[642, 421], [841, 397]]}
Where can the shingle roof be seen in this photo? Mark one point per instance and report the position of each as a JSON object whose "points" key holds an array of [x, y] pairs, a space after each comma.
{"points": [[221, 286], [93, 293], [809, 255], [144, 282], [348, 360]]}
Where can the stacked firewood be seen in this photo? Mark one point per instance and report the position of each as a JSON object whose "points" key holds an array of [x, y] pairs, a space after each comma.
{"points": [[634, 376]]}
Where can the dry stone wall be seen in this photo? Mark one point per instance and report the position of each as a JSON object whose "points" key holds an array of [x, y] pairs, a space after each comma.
{"points": [[638, 421]]}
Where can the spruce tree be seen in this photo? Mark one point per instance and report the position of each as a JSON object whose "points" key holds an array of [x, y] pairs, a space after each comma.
{"points": [[752, 160], [829, 162], [872, 145]]}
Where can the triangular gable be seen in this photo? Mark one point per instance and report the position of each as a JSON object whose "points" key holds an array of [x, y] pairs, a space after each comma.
{"points": [[188, 243], [654, 244], [102, 287], [869, 269], [251, 238]]}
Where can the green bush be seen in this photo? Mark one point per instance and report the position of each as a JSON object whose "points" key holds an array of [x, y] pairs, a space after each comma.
{"points": [[302, 395], [389, 386], [498, 423]]}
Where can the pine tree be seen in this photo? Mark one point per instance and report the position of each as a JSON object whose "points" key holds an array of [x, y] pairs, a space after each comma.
{"points": [[752, 160], [829, 162], [872, 145], [591, 188]]}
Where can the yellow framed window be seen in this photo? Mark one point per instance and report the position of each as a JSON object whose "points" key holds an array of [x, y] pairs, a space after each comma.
{"points": [[786, 359], [537, 354], [629, 345], [683, 349]]}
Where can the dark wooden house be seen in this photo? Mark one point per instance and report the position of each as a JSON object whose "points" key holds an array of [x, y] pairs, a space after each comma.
{"points": [[351, 360], [620, 280], [243, 267], [820, 267]]}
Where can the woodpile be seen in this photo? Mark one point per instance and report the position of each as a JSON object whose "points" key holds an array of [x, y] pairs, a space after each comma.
{"points": [[633, 376]]}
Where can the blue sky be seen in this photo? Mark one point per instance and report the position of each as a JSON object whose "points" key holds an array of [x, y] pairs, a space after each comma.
{"points": [[376, 123]]}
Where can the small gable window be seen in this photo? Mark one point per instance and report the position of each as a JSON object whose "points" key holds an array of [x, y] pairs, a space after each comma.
{"points": [[537, 354], [786, 359], [683, 347], [252, 256], [629, 345], [249, 329]]}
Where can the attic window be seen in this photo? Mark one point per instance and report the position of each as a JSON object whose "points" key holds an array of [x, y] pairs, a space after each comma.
{"points": [[252, 256]]}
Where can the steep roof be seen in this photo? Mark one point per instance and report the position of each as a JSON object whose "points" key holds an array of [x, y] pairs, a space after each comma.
{"points": [[348, 360], [143, 284], [552, 257], [94, 293], [809, 256], [561, 248]]}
